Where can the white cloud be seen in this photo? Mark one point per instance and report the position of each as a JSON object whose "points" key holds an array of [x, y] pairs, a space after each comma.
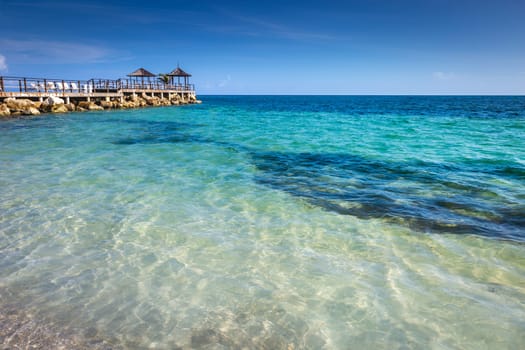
{"points": [[3, 64], [444, 75], [42, 51]]}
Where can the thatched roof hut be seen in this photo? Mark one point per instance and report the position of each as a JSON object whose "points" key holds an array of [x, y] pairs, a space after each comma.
{"points": [[178, 72], [137, 77], [141, 73]]}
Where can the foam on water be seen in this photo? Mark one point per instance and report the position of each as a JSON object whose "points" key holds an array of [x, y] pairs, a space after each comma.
{"points": [[268, 222]]}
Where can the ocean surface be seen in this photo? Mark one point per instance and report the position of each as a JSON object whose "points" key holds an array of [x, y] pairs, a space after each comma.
{"points": [[267, 222]]}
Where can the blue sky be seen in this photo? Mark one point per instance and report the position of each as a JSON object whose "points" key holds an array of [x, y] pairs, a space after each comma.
{"points": [[275, 47]]}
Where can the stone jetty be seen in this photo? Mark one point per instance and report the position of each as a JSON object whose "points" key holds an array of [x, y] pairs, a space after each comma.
{"points": [[21, 96], [15, 107]]}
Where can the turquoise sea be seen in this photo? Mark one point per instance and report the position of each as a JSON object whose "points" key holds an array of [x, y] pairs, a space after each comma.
{"points": [[290, 222]]}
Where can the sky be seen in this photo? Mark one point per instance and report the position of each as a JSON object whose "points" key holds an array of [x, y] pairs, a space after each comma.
{"points": [[385, 47]]}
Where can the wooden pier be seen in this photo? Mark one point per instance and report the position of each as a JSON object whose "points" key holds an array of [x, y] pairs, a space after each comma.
{"points": [[93, 89]]}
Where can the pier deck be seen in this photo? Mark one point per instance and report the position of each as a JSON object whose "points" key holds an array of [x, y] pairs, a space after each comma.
{"points": [[97, 89]]}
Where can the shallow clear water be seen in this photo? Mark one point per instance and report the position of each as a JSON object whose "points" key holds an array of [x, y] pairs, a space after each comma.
{"points": [[271, 222]]}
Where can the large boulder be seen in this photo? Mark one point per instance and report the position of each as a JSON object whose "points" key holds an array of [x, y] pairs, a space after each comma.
{"points": [[94, 107], [152, 101], [84, 104], [129, 104], [53, 100], [117, 104], [90, 106], [52, 104], [106, 104], [4, 110], [59, 108], [30, 111], [18, 105], [140, 102]]}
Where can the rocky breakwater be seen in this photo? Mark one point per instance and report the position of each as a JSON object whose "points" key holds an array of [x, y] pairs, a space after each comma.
{"points": [[12, 107]]}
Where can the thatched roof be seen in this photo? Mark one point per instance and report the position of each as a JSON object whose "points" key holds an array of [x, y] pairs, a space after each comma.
{"points": [[141, 72], [179, 73]]}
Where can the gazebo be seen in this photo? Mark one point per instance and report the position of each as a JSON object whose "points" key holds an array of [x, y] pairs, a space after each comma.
{"points": [[140, 73], [177, 72]]}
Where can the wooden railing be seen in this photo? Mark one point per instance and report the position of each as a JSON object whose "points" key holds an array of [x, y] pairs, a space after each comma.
{"points": [[22, 85], [154, 85], [29, 85]]}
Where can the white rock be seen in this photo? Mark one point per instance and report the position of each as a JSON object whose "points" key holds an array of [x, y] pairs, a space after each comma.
{"points": [[53, 100]]}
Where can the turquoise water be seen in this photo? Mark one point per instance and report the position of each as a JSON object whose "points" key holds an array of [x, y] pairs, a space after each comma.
{"points": [[271, 223]]}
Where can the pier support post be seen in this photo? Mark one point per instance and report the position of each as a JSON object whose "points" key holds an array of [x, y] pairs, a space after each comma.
{"points": [[89, 99], [68, 100], [107, 99]]}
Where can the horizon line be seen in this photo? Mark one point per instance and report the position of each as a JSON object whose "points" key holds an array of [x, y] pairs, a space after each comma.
{"points": [[343, 95]]}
